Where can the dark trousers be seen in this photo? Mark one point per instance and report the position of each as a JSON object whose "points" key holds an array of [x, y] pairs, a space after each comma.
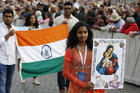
{"points": [[6, 75], [62, 82]]}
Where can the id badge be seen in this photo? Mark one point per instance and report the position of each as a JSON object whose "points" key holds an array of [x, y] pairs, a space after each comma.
{"points": [[82, 76]]}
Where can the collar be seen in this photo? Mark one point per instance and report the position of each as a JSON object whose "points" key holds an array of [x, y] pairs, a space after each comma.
{"points": [[69, 18], [6, 26]]}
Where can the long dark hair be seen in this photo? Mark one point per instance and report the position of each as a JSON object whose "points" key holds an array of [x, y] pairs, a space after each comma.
{"points": [[72, 40], [27, 21]]}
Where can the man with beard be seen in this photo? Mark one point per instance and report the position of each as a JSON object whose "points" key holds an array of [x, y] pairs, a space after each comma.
{"points": [[66, 18], [8, 51]]}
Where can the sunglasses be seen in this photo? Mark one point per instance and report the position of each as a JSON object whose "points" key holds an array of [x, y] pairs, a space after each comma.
{"points": [[67, 8]]}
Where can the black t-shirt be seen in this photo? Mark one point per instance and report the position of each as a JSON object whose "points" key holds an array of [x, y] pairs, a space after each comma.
{"points": [[138, 21]]}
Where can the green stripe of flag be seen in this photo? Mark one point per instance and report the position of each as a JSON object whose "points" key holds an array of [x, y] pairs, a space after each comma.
{"points": [[42, 67]]}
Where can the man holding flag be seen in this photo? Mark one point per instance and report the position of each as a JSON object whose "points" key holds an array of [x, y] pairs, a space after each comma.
{"points": [[8, 51]]}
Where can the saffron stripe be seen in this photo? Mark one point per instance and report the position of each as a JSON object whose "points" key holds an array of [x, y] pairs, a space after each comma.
{"points": [[40, 37]]}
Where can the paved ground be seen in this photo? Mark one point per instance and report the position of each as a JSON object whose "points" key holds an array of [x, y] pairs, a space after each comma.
{"points": [[49, 85]]}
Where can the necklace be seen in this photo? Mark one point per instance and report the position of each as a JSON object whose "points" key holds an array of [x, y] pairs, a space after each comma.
{"points": [[83, 61]]}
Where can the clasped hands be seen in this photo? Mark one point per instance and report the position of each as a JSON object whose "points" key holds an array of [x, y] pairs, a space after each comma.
{"points": [[90, 85]]}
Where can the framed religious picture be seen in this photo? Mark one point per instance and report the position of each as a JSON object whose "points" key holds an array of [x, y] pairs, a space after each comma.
{"points": [[108, 60]]}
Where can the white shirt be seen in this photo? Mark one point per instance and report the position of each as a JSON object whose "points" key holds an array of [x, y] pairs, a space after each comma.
{"points": [[71, 21], [119, 25], [76, 5], [8, 50]]}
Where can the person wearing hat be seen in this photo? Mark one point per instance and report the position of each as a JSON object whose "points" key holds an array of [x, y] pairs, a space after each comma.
{"points": [[115, 25], [117, 21], [129, 26]]}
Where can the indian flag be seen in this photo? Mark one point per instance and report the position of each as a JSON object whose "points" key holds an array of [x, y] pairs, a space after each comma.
{"points": [[42, 51]]}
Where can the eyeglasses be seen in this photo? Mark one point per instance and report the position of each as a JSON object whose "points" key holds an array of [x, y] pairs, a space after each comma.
{"points": [[67, 8]]}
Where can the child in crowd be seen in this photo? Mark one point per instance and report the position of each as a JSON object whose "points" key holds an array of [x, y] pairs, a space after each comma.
{"points": [[47, 18]]}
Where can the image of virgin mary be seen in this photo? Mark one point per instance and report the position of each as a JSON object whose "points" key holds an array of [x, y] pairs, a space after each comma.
{"points": [[109, 62]]}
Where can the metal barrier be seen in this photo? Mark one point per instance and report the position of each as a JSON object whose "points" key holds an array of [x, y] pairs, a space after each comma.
{"points": [[1, 18], [19, 22]]}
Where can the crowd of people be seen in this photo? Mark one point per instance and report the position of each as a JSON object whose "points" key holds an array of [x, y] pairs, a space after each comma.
{"points": [[81, 16], [101, 15]]}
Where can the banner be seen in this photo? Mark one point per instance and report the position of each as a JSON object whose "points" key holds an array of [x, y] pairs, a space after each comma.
{"points": [[108, 60], [42, 51]]}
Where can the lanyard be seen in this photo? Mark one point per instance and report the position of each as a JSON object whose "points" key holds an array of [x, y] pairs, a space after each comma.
{"points": [[83, 61]]}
